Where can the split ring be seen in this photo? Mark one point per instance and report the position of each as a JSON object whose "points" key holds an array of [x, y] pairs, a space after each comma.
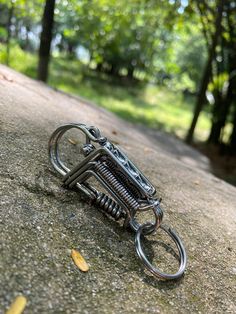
{"points": [[155, 271]]}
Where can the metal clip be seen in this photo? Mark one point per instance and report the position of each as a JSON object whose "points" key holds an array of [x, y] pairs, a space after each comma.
{"points": [[129, 190]]}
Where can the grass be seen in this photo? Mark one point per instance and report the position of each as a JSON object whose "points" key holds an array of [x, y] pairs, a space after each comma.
{"points": [[153, 106]]}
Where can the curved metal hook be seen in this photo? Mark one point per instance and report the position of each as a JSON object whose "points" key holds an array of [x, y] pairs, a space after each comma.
{"points": [[92, 134]]}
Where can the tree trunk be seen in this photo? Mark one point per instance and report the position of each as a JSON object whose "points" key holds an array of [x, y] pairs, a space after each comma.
{"points": [[99, 67], [27, 42], [220, 114], [206, 74], [70, 50], [8, 41], [216, 123], [233, 134], [45, 40], [223, 109], [130, 74]]}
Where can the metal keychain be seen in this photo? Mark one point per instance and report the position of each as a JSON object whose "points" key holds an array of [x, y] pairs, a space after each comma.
{"points": [[129, 190]]}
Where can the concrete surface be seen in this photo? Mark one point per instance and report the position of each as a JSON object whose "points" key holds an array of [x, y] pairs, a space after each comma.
{"points": [[40, 222]]}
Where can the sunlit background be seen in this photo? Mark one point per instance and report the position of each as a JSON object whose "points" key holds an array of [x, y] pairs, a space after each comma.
{"points": [[168, 65]]}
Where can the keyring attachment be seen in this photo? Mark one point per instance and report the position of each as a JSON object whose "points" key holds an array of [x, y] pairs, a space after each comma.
{"points": [[155, 271], [129, 191]]}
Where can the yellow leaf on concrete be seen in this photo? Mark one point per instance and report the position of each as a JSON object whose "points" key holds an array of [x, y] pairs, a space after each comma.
{"points": [[79, 260], [72, 141], [18, 306]]}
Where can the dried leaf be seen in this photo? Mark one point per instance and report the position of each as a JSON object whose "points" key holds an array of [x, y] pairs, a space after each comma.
{"points": [[79, 260], [147, 150], [18, 306], [115, 142], [4, 77], [72, 141]]}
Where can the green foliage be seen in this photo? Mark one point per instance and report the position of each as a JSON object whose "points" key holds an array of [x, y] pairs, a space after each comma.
{"points": [[141, 39], [20, 60], [120, 35], [190, 61], [150, 105], [3, 32], [24, 8], [147, 104], [164, 43]]}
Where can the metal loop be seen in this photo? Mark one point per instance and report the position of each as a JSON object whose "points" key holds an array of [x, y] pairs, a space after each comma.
{"points": [[92, 133], [155, 271], [149, 227]]}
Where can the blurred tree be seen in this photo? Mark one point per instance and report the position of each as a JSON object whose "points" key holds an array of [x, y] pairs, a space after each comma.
{"points": [[220, 73], [186, 65], [231, 48], [9, 22], [66, 25], [45, 40], [120, 36], [186, 44], [223, 86], [16, 16], [201, 99]]}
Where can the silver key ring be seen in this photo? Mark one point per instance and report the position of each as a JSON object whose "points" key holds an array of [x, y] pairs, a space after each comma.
{"points": [[155, 271]]}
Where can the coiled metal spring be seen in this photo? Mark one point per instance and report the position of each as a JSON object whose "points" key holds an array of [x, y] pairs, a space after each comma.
{"points": [[123, 178], [107, 204], [106, 174]]}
